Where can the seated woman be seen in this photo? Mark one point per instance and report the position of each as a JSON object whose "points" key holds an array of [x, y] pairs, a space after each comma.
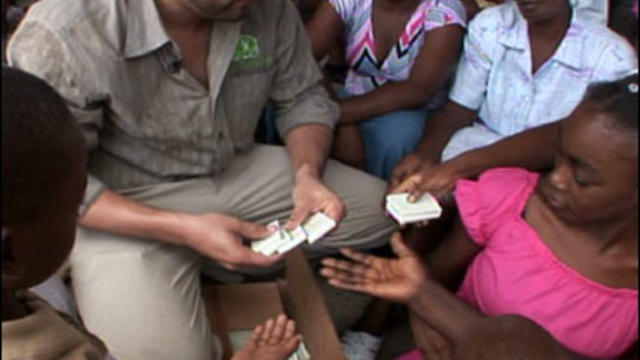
{"points": [[400, 54], [560, 249], [525, 64]]}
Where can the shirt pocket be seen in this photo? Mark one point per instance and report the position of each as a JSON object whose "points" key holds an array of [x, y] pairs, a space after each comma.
{"points": [[263, 64], [245, 95], [562, 94]]}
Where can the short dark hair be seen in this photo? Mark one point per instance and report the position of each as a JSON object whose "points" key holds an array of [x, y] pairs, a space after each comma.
{"points": [[619, 99], [624, 20], [41, 144]]}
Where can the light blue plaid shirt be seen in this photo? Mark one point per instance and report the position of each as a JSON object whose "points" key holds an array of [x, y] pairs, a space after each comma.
{"points": [[494, 75]]}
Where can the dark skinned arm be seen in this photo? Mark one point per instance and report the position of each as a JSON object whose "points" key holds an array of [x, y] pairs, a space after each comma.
{"points": [[532, 149], [500, 337], [324, 30], [448, 262], [441, 127], [442, 310]]}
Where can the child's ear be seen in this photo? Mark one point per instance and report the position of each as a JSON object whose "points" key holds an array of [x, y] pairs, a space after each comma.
{"points": [[12, 273]]}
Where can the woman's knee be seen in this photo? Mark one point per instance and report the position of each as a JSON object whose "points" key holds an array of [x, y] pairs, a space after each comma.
{"points": [[396, 132]]}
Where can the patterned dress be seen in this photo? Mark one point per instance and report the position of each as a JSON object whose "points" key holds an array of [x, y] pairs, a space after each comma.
{"points": [[366, 70]]}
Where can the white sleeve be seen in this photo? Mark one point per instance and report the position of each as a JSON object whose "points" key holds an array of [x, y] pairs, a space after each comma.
{"points": [[472, 75], [617, 61], [345, 8]]}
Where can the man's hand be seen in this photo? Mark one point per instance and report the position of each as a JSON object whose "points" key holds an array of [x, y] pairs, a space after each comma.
{"points": [[311, 195], [392, 279], [220, 238]]}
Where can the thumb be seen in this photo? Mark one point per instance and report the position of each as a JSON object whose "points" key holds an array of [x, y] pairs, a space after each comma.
{"points": [[253, 231], [399, 247], [415, 194], [398, 176], [410, 184], [298, 215]]}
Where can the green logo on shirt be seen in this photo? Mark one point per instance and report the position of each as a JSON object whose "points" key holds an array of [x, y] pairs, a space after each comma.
{"points": [[247, 55], [248, 48]]}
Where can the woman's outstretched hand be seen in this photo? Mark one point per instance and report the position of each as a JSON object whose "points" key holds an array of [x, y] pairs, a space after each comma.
{"points": [[395, 279]]}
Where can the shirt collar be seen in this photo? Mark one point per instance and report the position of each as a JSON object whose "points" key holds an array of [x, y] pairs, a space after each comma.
{"points": [[514, 35], [570, 50], [514, 32], [144, 32]]}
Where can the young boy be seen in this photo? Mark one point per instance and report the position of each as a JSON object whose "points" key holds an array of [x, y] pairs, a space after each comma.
{"points": [[43, 181]]}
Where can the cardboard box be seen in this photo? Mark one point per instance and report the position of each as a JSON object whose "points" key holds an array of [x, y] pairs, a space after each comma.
{"points": [[244, 306]]}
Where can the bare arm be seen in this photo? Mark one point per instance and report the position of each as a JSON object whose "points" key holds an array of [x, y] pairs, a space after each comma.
{"points": [[443, 310], [441, 127], [515, 334], [532, 149], [433, 66], [323, 30], [305, 117], [448, 262], [431, 343], [308, 147], [114, 213], [214, 235], [488, 337]]}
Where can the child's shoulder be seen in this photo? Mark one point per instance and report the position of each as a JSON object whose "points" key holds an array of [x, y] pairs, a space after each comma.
{"points": [[46, 334]]}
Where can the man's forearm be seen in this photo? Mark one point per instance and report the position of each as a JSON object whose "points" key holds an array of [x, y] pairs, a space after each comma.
{"points": [[443, 310], [114, 213], [308, 147], [440, 128], [532, 149]]}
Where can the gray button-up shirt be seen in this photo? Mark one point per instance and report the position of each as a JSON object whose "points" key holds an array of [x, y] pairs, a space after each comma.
{"points": [[146, 119]]}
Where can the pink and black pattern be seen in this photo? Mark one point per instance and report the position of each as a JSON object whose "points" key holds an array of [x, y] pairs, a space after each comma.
{"points": [[367, 70]]}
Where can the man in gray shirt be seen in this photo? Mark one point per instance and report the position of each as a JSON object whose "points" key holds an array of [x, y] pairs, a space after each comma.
{"points": [[168, 93]]}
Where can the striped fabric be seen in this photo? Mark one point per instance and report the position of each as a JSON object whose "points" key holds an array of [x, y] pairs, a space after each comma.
{"points": [[367, 71]]}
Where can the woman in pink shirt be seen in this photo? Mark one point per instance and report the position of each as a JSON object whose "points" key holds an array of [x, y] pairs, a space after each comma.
{"points": [[560, 249]]}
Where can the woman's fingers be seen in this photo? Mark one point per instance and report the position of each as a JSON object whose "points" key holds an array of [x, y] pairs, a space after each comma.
{"points": [[356, 270], [357, 256]]}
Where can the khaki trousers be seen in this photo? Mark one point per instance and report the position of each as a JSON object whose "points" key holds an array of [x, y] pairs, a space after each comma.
{"points": [[143, 299]]}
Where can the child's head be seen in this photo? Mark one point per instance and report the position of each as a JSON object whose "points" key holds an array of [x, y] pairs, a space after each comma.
{"points": [[43, 179], [595, 178]]}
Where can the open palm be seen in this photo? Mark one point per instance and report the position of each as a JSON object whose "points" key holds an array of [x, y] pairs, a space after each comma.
{"points": [[392, 279]]}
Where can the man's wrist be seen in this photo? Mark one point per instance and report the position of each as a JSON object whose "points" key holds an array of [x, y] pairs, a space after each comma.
{"points": [[173, 226], [306, 171]]}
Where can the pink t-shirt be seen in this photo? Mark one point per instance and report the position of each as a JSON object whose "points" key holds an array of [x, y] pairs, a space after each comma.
{"points": [[516, 273]]}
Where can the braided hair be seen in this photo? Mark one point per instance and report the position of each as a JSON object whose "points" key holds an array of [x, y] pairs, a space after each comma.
{"points": [[618, 99]]}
